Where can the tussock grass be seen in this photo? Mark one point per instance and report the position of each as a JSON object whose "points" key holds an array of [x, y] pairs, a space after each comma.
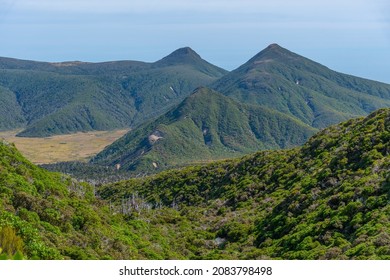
{"points": [[69, 147]]}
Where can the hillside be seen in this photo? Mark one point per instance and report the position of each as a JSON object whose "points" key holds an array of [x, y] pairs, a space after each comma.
{"points": [[294, 85], [60, 98], [10, 112], [204, 127], [46, 215], [328, 199]]}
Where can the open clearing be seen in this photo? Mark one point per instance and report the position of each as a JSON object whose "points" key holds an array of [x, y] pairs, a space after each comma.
{"points": [[70, 147]]}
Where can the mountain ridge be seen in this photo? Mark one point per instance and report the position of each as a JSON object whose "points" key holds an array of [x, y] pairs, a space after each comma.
{"points": [[182, 55], [275, 78], [292, 84], [111, 95], [205, 126]]}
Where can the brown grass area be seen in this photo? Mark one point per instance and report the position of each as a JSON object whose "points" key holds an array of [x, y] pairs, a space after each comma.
{"points": [[71, 147]]}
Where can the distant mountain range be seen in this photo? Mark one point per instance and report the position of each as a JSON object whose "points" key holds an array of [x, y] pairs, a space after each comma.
{"points": [[277, 99], [58, 98], [281, 99]]}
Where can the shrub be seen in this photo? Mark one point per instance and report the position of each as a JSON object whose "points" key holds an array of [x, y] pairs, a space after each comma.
{"points": [[10, 243]]}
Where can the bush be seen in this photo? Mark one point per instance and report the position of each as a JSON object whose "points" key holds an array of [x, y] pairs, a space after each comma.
{"points": [[10, 243]]}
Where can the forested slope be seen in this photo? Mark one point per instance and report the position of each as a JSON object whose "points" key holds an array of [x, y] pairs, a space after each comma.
{"points": [[328, 199], [60, 98], [206, 126]]}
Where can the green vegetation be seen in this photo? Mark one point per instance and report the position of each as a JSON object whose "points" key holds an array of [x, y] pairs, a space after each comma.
{"points": [[284, 81], [11, 245], [294, 96], [47, 215], [287, 98], [92, 173], [204, 127], [62, 98], [10, 114], [329, 199]]}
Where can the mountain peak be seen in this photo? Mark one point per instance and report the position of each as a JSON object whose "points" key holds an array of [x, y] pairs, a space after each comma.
{"points": [[186, 51], [274, 46], [184, 55], [273, 51], [187, 56]]}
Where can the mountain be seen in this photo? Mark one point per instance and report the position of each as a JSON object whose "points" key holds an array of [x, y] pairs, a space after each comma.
{"points": [[288, 98], [294, 85], [205, 126], [328, 199], [58, 98], [187, 56]]}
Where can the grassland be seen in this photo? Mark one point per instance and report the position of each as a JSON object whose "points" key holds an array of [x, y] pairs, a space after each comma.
{"points": [[70, 147]]}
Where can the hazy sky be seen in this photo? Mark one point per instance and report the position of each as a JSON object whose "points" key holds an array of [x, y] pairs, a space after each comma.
{"points": [[350, 36]]}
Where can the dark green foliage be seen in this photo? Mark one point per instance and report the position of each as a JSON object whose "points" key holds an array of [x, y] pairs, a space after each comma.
{"points": [[11, 115], [295, 97], [58, 98], [326, 200], [204, 127], [91, 173], [284, 81]]}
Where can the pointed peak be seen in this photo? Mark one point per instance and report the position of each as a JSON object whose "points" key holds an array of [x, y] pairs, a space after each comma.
{"points": [[274, 49], [184, 52], [273, 52], [274, 46], [184, 55]]}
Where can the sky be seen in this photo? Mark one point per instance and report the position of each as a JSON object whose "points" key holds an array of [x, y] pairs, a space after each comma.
{"points": [[349, 36]]}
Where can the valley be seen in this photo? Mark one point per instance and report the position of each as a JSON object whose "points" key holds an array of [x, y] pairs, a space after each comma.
{"points": [[60, 148]]}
